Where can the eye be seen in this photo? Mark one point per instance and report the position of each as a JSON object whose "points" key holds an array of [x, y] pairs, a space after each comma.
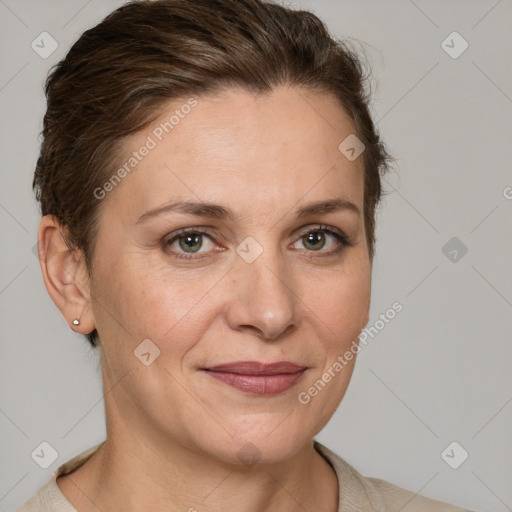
{"points": [[316, 240], [188, 242]]}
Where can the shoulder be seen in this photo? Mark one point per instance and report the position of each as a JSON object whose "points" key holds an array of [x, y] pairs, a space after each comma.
{"points": [[377, 495], [408, 501], [49, 497]]}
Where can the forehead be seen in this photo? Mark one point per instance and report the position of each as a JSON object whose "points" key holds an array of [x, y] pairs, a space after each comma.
{"points": [[262, 151]]}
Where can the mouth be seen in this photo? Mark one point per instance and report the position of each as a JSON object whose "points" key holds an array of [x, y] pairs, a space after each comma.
{"points": [[258, 378]]}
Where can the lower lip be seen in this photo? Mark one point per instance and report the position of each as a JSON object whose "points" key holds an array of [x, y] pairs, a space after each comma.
{"points": [[258, 384]]}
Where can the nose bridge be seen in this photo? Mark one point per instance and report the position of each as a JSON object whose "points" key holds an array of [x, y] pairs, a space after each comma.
{"points": [[265, 299]]}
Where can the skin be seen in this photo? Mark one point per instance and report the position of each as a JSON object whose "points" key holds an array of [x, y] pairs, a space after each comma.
{"points": [[174, 432]]}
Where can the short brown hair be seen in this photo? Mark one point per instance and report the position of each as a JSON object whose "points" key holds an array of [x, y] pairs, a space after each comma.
{"points": [[118, 74]]}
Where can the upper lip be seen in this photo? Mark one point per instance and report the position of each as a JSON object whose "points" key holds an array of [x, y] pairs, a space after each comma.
{"points": [[257, 368]]}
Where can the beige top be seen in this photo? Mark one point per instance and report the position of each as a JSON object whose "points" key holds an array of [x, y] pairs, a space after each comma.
{"points": [[356, 492]]}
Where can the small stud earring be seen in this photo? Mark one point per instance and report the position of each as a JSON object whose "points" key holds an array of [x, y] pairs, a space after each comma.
{"points": [[76, 322]]}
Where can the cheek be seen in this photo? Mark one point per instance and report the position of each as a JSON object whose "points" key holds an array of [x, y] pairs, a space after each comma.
{"points": [[341, 303], [157, 304]]}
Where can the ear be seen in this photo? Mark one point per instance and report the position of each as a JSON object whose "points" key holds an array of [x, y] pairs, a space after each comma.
{"points": [[65, 275]]}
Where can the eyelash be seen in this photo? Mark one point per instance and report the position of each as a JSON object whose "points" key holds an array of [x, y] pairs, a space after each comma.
{"points": [[338, 235]]}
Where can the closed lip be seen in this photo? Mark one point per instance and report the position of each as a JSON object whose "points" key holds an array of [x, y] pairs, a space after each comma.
{"points": [[257, 368]]}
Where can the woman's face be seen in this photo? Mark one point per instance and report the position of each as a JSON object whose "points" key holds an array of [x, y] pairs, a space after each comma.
{"points": [[252, 280]]}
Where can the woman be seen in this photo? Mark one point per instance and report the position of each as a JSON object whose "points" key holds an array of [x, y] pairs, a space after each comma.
{"points": [[208, 181]]}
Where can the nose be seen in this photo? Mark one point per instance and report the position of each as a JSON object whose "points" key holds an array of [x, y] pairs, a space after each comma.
{"points": [[262, 298]]}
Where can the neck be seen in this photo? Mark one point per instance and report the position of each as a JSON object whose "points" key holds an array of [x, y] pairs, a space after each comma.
{"points": [[128, 475]]}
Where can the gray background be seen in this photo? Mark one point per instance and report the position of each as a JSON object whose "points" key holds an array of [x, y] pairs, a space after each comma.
{"points": [[439, 372]]}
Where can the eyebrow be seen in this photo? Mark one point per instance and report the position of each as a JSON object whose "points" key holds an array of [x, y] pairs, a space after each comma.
{"points": [[216, 211]]}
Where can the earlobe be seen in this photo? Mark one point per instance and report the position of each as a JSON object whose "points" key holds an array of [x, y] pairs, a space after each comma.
{"points": [[65, 276]]}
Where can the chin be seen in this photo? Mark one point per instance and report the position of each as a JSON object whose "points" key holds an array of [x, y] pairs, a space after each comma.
{"points": [[267, 442]]}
